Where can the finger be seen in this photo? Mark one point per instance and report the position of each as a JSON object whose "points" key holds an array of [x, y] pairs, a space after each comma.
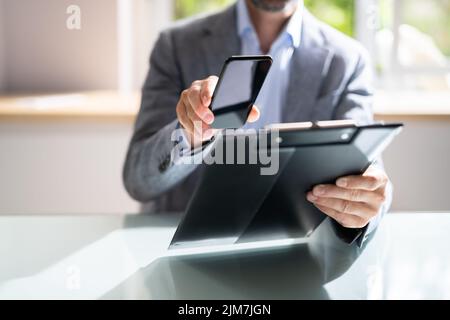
{"points": [[203, 113], [254, 114], [183, 118], [207, 89], [195, 103], [345, 206], [364, 182], [345, 220], [357, 195], [195, 119], [201, 129], [193, 94]]}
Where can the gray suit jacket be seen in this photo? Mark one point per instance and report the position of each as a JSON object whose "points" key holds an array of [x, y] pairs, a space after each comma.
{"points": [[330, 79]]}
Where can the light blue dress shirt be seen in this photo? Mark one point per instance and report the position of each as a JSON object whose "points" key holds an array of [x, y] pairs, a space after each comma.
{"points": [[271, 98]]}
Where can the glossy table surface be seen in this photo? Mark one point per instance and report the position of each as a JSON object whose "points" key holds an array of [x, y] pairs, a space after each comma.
{"points": [[115, 257]]}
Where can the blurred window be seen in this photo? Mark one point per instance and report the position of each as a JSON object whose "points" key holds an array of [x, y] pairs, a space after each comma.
{"points": [[340, 14], [412, 41], [186, 8]]}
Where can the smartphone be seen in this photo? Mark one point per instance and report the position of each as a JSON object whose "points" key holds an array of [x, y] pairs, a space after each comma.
{"points": [[239, 84]]}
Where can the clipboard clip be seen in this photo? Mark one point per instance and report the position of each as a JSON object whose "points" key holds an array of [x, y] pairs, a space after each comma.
{"points": [[310, 125]]}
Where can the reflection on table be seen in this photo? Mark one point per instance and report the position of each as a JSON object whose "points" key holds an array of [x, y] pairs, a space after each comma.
{"points": [[280, 271], [109, 257]]}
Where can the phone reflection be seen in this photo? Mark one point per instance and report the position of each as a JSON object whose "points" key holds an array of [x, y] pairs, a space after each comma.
{"points": [[294, 272]]}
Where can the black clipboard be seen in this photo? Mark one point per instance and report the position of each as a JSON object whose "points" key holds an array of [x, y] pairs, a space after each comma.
{"points": [[235, 203]]}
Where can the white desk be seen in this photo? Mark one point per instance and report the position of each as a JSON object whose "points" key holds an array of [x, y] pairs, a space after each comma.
{"points": [[74, 257]]}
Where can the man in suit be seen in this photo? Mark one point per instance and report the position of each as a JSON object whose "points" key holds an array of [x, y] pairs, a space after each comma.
{"points": [[317, 74]]}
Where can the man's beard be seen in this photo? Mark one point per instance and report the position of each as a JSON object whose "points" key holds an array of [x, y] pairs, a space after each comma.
{"points": [[273, 5]]}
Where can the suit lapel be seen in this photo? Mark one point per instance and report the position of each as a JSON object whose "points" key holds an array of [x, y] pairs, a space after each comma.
{"points": [[308, 64], [221, 40]]}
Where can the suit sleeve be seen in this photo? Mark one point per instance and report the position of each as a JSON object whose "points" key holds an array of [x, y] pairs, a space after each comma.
{"points": [[149, 168], [356, 103]]}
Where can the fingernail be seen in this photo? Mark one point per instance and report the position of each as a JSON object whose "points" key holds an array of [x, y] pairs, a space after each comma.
{"points": [[319, 190], [311, 197], [342, 182]]}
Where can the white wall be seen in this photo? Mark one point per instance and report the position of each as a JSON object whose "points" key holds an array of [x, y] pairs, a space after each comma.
{"points": [[418, 162], [43, 55], [110, 51], [63, 166]]}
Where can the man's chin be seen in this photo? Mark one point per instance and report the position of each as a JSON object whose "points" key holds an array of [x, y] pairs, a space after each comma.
{"points": [[273, 5]]}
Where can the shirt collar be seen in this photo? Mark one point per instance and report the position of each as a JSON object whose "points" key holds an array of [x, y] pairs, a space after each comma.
{"points": [[293, 28]]}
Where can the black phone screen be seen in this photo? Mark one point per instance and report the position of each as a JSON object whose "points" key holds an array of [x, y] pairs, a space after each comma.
{"points": [[239, 84]]}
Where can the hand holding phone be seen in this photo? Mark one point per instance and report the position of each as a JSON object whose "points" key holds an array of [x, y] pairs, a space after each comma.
{"points": [[196, 108]]}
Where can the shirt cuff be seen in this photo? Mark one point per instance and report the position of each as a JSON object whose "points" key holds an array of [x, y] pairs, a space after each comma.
{"points": [[185, 153]]}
